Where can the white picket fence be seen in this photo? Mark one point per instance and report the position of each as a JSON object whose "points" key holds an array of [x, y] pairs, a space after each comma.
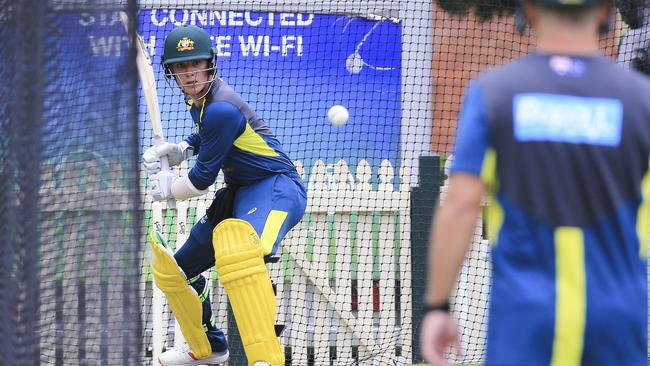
{"points": [[354, 226]]}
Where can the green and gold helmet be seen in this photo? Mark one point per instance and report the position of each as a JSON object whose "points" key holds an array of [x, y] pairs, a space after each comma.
{"points": [[187, 43]]}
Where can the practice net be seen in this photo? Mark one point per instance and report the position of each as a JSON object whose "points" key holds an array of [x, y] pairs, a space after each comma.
{"points": [[350, 276], [70, 207]]}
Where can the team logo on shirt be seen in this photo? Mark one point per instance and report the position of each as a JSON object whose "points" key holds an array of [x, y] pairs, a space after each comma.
{"points": [[567, 118], [185, 44], [567, 66]]}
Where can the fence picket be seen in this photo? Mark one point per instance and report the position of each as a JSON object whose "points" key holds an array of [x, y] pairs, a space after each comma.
{"points": [[364, 280], [157, 303], [343, 288], [298, 312], [181, 237], [387, 324], [406, 293], [318, 306]]}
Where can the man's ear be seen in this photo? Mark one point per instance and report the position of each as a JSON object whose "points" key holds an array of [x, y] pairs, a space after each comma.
{"points": [[525, 13], [520, 19], [530, 12], [606, 16]]}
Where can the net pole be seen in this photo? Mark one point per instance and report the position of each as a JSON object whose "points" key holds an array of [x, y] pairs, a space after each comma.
{"points": [[25, 129]]}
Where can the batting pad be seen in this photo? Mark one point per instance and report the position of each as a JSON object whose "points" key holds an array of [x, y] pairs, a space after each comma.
{"points": [[182, 299], [240, 263]]}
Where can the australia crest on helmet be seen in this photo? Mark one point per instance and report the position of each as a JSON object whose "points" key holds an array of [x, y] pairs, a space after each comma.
{"points": [[185, 44]]}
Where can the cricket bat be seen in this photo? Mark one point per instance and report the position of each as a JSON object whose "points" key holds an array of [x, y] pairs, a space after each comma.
{"points": [[148, 82]]}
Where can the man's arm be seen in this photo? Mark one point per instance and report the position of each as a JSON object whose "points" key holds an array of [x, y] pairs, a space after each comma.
{"points": [[223, 123], [194, 140], [451, 234], [454, 223], [452, 228]]}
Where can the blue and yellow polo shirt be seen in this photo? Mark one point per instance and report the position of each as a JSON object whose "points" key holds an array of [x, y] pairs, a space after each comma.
{"points": [[563, 143]]}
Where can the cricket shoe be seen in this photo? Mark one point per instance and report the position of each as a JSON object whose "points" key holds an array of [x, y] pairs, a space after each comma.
{"points": [[183, 356]]}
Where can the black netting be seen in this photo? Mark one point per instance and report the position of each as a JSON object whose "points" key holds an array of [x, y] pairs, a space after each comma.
{"points": [[70, 198], [21, 127], [351, 274], [350, 277]]}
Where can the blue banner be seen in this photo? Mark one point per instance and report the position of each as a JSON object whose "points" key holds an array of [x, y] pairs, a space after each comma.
{"points": [[291, 68]]}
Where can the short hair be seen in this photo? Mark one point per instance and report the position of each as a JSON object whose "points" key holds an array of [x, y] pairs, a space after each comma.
{"points": [[487, 9], [483, 9]]}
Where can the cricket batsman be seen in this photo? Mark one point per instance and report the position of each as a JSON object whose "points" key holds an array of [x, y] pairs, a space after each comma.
{"points": [[263, 199]]}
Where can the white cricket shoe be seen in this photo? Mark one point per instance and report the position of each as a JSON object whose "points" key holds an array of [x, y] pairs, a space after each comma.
{"points": [[183, 356]]}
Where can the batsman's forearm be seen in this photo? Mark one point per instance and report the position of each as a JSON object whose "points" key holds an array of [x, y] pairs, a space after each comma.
{"points": [[451, 234], [182, 189]]}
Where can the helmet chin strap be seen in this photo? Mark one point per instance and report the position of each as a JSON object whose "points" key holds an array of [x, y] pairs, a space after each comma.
{"points": [[211, 81]]}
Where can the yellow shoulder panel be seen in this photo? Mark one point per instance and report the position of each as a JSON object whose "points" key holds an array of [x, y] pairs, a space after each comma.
{"points": [[252, 142]]}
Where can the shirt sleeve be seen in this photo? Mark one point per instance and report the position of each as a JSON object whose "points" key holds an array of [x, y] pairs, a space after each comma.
{"points": [[222, 124], [195, 141], [472, 140]]}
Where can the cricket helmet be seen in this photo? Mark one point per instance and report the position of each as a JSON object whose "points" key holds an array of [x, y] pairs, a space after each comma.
{"points": [[187, 43]]}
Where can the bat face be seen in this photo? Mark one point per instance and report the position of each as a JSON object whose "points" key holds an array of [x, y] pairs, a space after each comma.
{"points": [[148, 80], [142, 49]]}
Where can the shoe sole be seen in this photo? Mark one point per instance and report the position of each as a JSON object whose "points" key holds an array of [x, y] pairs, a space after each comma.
{"points": [[205, 364], [202, 362]]}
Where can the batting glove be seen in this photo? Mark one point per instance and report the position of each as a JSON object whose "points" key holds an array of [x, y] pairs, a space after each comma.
{"points": [[176, 153], [161, 185]]}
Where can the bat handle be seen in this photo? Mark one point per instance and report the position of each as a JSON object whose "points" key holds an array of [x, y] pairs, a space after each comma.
{"points": [[164, 165]]}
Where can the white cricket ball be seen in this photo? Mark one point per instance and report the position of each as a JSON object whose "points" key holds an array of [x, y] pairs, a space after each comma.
{"points": [[338, 115]]}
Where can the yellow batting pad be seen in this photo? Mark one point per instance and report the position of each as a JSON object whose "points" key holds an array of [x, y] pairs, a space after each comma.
{"points": [[240, 263], [182, 299]]}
